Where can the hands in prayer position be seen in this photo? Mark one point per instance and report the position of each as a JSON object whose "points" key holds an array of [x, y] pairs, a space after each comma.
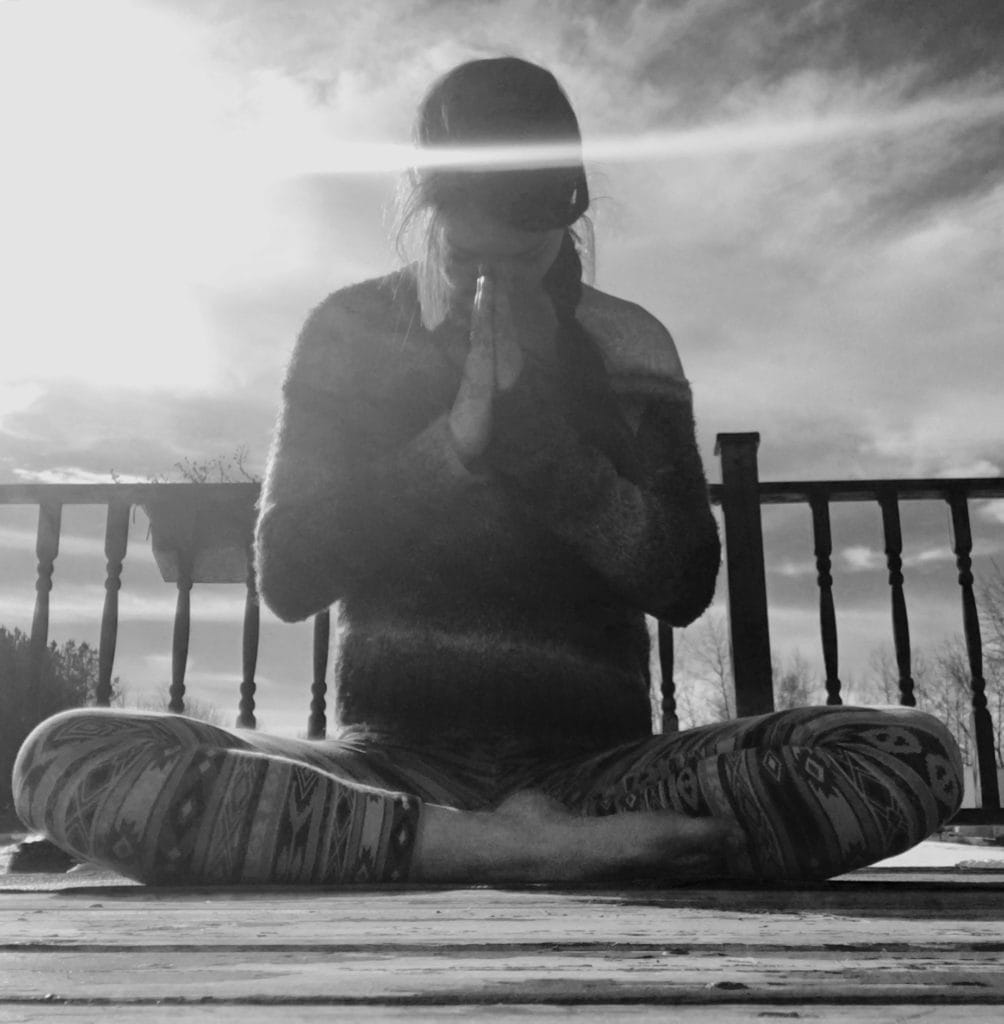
{"points": [[494, 363]]}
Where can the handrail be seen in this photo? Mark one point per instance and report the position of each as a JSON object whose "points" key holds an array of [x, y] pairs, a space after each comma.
{"points": [[782, 492], [771, 492], [103, 494], [177, 560]]}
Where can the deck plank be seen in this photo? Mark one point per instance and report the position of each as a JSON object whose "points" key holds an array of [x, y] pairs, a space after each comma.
{"points": [[142, 919], [719, 1013], [866, 942], [614, 975], [877, 943]]}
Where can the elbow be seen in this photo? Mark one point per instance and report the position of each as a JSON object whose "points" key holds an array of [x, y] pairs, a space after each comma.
{"points": [[293, 587], [280, 594], [693, 588], [284, 604]]}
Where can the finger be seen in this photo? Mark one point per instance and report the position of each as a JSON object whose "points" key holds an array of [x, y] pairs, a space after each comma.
{"points": [[508, 359], [501, 327], [484, 306], [502, 311], [479, 367], [470, 418], [478, 380], [484, 290]]}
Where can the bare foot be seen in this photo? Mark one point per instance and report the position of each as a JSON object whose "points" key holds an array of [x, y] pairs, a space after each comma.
{"points": [[530, 837]]}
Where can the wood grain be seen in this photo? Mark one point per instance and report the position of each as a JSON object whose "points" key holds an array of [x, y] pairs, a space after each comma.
{"points": [[765, 1013], [597, 954]]}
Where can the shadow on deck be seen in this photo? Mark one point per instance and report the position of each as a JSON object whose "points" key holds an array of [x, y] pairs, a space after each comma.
{"points": [[877, 945]]}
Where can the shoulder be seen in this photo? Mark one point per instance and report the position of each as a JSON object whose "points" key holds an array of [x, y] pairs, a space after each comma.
{"points": [[635, 345], [376, 307], [352, 330]]}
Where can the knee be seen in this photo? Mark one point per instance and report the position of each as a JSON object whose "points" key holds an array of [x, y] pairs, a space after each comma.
{"points": [[910, 727], [935, 730], [925, 744], [68, 738], [45, 745], [946, 774]]}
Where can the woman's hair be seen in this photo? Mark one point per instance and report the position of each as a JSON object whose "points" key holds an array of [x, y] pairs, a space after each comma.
{"points": [[501, 101]]}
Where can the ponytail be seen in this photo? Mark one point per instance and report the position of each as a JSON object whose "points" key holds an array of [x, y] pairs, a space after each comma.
{"points": [[563, 281]]}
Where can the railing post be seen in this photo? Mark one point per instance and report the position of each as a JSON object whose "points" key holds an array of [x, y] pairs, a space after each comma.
{"points": [[317, 724], [50, 517], [182, 627], [983, 729], [823, 550], [116, 540], [747, 582], [249, 649], [889, 504], [670, 721]]}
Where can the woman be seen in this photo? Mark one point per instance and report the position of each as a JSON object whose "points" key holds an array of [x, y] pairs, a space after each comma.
{"points": [[492, 468]]}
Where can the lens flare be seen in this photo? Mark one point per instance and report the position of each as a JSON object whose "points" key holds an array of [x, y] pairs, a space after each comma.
{"points": [[748, 136]]}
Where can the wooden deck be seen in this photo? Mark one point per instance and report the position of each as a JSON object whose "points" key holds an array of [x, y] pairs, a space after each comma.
{"points": [[875, 946]]}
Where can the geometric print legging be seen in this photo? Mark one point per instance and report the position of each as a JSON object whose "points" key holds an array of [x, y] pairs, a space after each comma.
{"points": [[165, 799]]}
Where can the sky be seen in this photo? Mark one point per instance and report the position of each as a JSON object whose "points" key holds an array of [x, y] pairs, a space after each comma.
{"points": [[809, 194]]}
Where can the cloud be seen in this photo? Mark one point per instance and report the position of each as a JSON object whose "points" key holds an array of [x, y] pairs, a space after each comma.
{"points": [[791, 568], [97, 430], [70, 475], [859, 557], [992, 511]]}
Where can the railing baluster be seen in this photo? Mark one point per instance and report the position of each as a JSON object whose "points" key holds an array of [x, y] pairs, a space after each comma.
{"points": [[249, 650], [889, 503], [670, 720], [46, 550], [983, 730], [823, 549], [182, 627], [317, 725], [116, 541]]}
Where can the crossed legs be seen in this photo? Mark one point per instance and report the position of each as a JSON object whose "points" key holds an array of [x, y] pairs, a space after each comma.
{"points": [[796, 795], [816, 791]]}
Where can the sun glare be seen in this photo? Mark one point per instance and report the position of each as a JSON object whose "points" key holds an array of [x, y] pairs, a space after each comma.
{"points": [[137, 167], [97, 197]]}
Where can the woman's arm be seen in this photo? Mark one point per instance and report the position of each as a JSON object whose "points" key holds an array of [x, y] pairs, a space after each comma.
{"points": [[350, 484], [654, 540]]}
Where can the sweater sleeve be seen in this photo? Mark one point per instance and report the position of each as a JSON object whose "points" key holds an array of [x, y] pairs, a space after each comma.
{"points": [[655, 541], [349, 485]]}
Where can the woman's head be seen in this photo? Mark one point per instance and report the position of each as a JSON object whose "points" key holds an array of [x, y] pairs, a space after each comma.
{"points": [[503, 102], [518, 213]]}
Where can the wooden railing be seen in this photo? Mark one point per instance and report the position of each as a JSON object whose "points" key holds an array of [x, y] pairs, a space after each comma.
{"points": [[180, 566], [742, 495], [185, 558]]}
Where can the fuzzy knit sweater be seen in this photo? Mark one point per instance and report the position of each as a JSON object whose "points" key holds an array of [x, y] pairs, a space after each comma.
{"points": [[507, 599]]}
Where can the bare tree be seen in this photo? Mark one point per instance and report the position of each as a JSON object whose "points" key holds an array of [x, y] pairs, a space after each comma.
{"points": [[948, 696], [991, 605], [942, 687], [195, 707], [704, 683], [705, 688], [795, 686], [881, 683]]}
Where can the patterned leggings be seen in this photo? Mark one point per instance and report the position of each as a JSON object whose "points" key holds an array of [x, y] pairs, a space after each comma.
{"points": [[162, 798]]}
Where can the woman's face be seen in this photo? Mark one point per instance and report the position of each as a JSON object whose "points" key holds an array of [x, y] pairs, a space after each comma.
{"points": [[520, 258]]}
